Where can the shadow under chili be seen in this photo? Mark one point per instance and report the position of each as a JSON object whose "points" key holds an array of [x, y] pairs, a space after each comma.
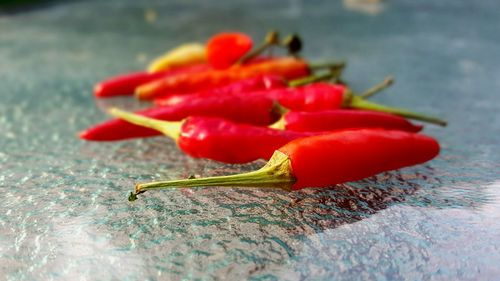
{"points": [[317, 210]]}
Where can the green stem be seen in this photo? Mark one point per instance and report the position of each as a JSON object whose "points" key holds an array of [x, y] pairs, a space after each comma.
{"points": [[360, 103], [388, 81], [170, 129], [330, 65], [277, 173], [332, 74], [272, 38]]}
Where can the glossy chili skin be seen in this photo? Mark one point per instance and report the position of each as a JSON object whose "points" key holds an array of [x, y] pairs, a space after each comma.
{"points": [[230, 142], [330, 120], [288, 68], [125, 84], [350, 155], [253, 110], [312, 97], [226, 48], [243, 87]]}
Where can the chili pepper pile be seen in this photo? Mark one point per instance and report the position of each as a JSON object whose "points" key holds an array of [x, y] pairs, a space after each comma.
{"points": [[227, 101]]}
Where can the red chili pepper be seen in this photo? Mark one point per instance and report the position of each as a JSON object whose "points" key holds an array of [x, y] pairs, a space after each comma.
{"points": [[258, 108], [288, 68], [217, 139], [125, 84], [253, 109], [264, 82], [324, 160], [341, 119], [259, 84], [225, 49], [323, 96]]}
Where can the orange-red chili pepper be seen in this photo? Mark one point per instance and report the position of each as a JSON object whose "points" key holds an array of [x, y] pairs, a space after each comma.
{"points": [[324, 160], [226, 48], [216, 138], [245, 86], [340, 119], [288, 68], [125, 84]]}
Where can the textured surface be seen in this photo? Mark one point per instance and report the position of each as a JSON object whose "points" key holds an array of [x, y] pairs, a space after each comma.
{"points": [[64, 213]]}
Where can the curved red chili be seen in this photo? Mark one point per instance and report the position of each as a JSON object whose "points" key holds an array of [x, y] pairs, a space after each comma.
{"points": [[288, 68], [229, 142], [341, 119], [324, 160], [217, 139], [125, 84]]}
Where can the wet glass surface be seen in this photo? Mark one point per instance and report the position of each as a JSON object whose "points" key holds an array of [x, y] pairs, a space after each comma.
{"points": [[64, 213]]}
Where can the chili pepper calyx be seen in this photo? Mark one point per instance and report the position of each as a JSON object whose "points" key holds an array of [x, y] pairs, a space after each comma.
{"points": [[277, 173]]}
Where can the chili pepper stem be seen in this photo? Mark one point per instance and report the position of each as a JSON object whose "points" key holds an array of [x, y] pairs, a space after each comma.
{"points": [[333, 73], [170, 129], [388, 81], [277, 173], [330, 64], [272, 38], [360, 103]]}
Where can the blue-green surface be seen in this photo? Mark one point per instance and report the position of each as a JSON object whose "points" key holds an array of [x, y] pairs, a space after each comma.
{"points": [[64, 213]]}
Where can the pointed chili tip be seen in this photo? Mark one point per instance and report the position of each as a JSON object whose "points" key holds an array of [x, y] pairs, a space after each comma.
{"points": [[418, 128], [84, 135], [98, 90]]}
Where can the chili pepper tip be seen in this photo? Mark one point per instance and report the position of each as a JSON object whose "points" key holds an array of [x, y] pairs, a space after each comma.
{"points": [[84, 135]]}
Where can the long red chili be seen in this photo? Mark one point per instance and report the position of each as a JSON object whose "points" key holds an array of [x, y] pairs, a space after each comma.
{"points": [[253, 110], [288, 68], [324, 160], [217, 139], [125, 84], [259, 84], [340, 119], [248, 85]]}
